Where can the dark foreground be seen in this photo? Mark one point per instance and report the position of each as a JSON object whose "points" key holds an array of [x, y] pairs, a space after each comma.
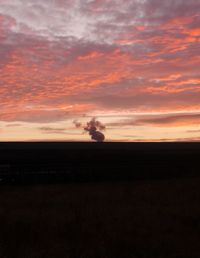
{"points": [[132, 219], [104, 200], [39, 162]]}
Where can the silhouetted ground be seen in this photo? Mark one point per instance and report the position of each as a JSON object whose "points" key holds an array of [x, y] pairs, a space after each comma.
{"points": [[135, 219], [127, 200], [97, 161]]}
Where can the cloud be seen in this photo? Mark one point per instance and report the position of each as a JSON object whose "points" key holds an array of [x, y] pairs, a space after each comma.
{"points": [[172, 120], [63, 58], [13, 125], [52, 129], [160, 120], [193, 131], [142, 101], [34, 116]]}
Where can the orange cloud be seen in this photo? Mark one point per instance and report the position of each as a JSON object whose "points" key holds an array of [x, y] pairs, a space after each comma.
{"points": [[91, 55], [146, 65]]}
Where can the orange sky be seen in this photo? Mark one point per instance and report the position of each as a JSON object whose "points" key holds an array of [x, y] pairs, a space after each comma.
{"points": [[132, 64]]}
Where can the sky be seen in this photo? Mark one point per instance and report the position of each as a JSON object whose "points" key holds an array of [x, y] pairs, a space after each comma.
{"points": [[132, 64]]}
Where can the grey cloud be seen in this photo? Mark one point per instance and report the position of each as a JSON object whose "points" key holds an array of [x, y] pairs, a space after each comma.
{"points": [[13, 125], [47, 128], [167, 120], [159, 120], [49, 31], [53, 130], [94, 20], [37, 116], [157, 10], [145, 101], [193, 131]]}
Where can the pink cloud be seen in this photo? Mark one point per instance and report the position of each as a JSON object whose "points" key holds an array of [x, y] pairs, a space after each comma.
{"points": [[63, 58]]}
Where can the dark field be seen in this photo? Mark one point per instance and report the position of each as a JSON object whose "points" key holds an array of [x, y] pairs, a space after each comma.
{"points": [[97, 161], [100, 200], [131, 219]]}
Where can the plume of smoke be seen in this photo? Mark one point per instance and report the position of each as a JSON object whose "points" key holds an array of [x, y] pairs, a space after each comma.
{"points": [[77, 124], [94, 128]]}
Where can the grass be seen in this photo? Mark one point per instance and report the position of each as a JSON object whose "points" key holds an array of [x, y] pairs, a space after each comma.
{"points": [[130, 219]]}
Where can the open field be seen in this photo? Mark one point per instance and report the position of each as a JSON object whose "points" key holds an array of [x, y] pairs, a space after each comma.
{"points": [[127, 200], [97, 161], [135, 219]]}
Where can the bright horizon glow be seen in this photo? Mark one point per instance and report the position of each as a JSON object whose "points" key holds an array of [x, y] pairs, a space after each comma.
{"points": [[132, 64]]}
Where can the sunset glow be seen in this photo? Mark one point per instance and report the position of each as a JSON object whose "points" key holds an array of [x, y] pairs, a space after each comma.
{"points": [[133, 64]]}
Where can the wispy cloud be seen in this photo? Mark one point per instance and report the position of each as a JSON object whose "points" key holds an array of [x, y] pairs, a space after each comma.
{"points": [[52, 130], [160, 120]]}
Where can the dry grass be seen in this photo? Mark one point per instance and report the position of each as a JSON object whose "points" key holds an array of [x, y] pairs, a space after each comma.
{"points": [[133, 219]]}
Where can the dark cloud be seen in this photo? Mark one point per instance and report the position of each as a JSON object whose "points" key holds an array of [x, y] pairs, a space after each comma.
{"points": [[193, 131], [160, 120], [35, 116], [159, 11], [47, 128], [54, 130], [179, 119], [13, 125], [77, 124]]}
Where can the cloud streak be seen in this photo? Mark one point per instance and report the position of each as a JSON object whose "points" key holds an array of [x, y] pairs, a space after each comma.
{"points": [[160, 120]]}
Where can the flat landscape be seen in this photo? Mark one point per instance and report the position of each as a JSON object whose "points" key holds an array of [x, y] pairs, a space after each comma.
{"points": [[76, 161], [132, 201], [117, 219]]}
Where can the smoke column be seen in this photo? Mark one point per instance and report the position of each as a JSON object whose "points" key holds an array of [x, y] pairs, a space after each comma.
{"points": [[93, 127]]}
